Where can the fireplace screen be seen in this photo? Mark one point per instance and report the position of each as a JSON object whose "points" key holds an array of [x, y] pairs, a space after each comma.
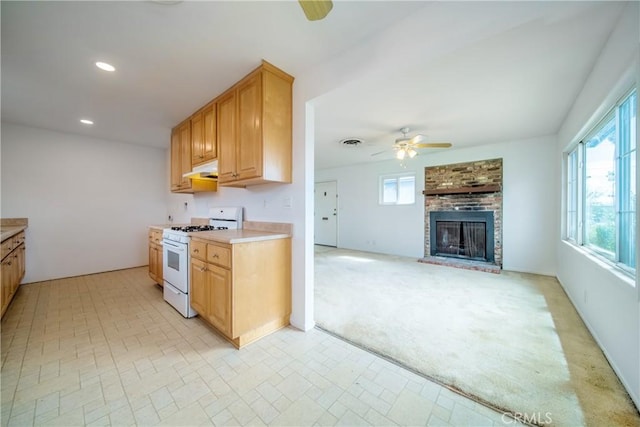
{"points": [[461, 239], [462, 234]]}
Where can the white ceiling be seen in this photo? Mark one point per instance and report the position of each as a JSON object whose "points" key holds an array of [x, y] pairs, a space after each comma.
{"points": [[517, 81]]}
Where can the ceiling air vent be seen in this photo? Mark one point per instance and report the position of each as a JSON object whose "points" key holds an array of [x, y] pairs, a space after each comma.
{"points": [[351, 142]]}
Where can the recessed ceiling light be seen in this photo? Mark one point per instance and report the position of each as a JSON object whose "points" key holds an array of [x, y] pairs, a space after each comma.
{"points": [[86, 121], [351, 142], [104, 66]]}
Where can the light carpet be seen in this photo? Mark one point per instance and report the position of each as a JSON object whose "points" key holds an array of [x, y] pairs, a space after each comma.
{"points": [[490, 336]]}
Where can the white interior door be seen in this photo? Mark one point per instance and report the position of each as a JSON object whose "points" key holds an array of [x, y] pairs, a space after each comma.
{"points": [[326, 213]]}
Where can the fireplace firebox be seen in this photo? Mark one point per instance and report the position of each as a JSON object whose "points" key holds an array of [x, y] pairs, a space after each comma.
{"points": [[462, 234]]}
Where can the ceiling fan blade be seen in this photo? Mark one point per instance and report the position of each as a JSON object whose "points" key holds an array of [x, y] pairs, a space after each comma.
{"points": [[433, 145], [315, 10], [379, 152], [417, 139]]}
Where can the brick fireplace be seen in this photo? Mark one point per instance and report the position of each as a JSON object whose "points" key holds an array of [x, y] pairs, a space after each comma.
{"points": [[463, 215]]}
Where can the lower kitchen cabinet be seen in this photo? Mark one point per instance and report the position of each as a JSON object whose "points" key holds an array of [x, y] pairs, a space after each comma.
{"points": [[155, 255], [219, 280], [211, 294], [243, 290], [13, 268], [199, 290]]}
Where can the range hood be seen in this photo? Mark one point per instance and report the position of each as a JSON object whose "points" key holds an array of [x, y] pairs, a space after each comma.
{"points": [[207, 171]]}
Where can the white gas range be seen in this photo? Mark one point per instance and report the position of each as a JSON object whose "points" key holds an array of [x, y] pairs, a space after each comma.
{"points": [[176, 259]]}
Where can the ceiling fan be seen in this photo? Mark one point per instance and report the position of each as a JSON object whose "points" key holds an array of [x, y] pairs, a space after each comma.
{"points": [[315, 10], [407, 146]]}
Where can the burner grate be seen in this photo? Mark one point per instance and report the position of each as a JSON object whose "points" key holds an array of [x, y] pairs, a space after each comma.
{"points": [[193, 228]]}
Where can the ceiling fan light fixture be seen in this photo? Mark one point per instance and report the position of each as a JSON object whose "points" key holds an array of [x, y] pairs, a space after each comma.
{"points": [[400, 154], [105, 66], [315, 10], [412, 153]]}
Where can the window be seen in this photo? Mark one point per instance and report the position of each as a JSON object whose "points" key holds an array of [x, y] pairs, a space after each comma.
{"points": [[599, 205], [398, 189], [572, 196], [601, 187]]}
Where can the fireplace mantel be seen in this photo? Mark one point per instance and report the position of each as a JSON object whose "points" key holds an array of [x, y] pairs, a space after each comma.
{"points": [[463, 190]]}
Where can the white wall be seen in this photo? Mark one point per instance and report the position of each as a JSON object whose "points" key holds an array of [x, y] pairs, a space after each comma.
{"points": [[530, 210], [89, 201], [608, 302]]}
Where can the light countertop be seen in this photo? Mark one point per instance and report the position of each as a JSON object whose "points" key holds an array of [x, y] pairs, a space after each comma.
{"points": [[238, 236], [252, 232]]}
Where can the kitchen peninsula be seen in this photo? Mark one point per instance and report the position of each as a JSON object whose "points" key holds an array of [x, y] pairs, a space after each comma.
{"points": [[239, 279]]}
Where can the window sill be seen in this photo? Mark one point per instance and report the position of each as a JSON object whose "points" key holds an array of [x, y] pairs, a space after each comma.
{"points": [[605, 264]]}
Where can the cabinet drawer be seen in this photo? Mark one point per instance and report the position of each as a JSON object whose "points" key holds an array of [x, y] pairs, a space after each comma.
{"points": [[219, 255], [198, 249]]}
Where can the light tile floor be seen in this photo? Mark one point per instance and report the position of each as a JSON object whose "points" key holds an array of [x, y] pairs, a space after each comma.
{"points": [[105, 349]]}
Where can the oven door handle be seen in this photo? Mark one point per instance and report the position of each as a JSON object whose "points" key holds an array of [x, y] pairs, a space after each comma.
{"points": [[178, 248]]}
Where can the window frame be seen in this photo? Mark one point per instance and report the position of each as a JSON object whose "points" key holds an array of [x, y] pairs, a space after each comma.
{"points": [[396, 177], [578, 176]]}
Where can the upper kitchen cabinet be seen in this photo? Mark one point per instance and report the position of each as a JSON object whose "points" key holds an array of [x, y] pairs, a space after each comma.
{"points": [[254, 121], [204, 147], [179, 135], [181, 162]]}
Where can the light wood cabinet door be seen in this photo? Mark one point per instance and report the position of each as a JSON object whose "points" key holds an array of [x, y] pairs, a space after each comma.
{"points": [[249, 140], [209, 133], [155, 263], [12, 268], [185, 153], [155, 255], [204, 147], [226, 115], [199, 292], [181, 156], [6, 282], [153, 259], [8, 279], [197, 138], [176, 164], [219, 298]]}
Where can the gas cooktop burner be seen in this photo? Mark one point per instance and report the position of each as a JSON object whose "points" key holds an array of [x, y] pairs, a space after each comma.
{"points": [[192, 228]]}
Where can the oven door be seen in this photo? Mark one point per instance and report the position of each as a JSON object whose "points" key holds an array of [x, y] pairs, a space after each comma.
{"points": [[175, 267]]}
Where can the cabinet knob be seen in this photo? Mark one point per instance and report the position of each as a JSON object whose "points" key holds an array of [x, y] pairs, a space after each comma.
{"points": [[196, 251]]}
